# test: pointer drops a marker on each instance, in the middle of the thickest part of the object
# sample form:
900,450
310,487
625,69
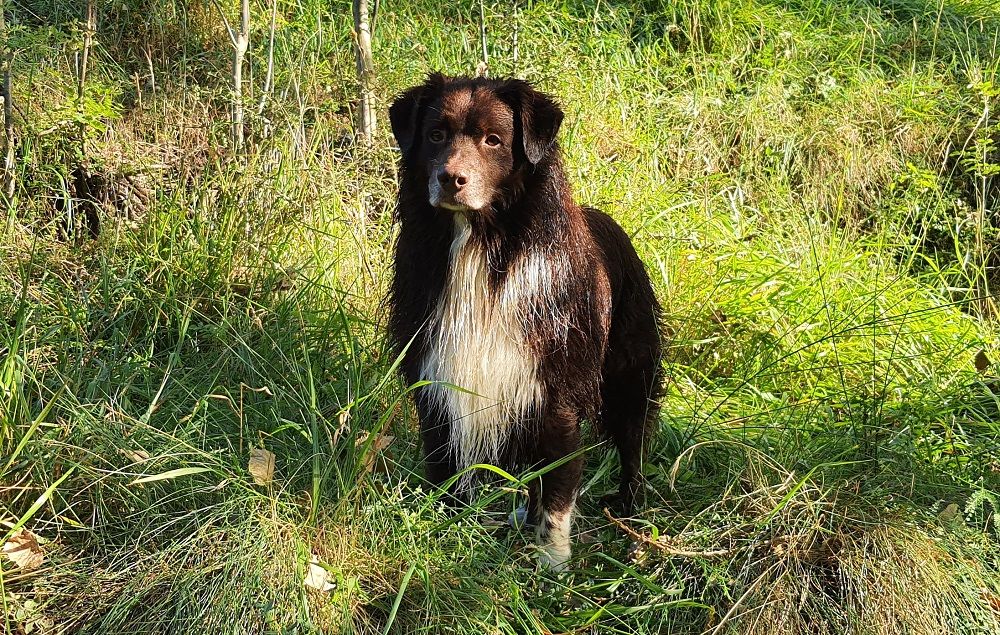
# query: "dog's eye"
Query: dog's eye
492,140
436,135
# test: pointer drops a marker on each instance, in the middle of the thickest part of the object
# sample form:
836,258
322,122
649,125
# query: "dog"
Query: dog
517,312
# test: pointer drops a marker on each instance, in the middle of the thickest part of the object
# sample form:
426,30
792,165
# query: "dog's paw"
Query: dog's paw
554,558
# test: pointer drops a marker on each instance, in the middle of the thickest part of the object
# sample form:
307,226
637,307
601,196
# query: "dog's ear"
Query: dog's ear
406,113
537,114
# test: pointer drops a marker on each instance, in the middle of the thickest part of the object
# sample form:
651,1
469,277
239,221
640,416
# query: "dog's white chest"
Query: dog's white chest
477,344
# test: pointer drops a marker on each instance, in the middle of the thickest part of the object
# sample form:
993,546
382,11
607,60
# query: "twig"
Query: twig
660,544
152,75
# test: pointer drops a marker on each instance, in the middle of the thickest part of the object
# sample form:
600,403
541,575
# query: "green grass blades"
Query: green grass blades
813,186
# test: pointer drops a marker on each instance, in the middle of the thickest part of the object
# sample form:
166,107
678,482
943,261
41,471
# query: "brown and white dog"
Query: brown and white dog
537,309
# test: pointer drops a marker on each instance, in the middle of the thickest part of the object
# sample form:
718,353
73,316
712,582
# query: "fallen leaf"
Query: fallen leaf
317,577
982,361
136,456
261,465
344,419
170,474
23,550
381,443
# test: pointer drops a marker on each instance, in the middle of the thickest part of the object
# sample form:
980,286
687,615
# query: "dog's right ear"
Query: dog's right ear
406,113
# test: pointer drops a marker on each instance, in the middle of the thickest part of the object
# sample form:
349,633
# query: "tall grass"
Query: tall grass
811,184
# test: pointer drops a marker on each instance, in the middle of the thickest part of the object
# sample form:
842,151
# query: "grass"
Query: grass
811,184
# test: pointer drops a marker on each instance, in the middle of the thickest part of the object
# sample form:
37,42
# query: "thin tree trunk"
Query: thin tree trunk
241,42
516,29
366,71
7,183
269,78
88,39
484,66
84,199
81,74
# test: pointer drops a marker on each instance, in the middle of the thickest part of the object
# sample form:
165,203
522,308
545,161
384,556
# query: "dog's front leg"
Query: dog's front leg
553,495
439,457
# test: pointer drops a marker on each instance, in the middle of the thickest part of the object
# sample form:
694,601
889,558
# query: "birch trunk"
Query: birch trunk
241,42
366,70
7,60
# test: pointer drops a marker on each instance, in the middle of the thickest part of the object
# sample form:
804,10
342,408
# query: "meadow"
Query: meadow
813,185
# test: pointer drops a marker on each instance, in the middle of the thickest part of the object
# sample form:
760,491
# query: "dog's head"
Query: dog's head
473,139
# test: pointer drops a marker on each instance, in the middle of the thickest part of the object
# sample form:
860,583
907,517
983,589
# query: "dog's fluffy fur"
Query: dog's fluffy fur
527,312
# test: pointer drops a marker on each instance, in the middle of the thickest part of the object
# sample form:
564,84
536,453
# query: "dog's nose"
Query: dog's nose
452,181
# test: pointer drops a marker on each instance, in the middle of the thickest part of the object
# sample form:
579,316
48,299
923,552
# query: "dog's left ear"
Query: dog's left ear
405,113
538,115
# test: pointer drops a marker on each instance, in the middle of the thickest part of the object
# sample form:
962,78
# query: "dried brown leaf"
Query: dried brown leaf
136,456
381,442
24,551
261,465
344,419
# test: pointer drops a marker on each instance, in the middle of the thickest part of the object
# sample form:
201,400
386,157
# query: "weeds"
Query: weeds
811,184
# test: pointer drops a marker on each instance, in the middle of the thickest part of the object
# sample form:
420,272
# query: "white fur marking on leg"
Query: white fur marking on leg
553,538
